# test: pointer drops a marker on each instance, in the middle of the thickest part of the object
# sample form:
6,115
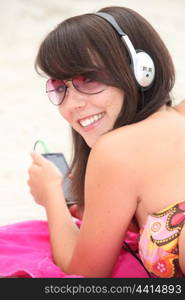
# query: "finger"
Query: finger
38,158
34,168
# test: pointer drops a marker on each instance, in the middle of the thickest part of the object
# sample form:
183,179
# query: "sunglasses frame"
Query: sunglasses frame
65,89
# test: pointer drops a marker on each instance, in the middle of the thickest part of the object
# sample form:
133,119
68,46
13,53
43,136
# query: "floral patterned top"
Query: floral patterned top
158,244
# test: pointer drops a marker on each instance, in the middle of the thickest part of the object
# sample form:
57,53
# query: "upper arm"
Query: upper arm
110,203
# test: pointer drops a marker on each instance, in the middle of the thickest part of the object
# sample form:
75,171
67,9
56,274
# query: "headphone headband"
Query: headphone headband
112,21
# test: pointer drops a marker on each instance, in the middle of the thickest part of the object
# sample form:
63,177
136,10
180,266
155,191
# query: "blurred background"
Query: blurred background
25,112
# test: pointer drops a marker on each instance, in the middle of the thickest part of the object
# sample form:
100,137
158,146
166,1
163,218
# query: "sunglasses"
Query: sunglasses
56,89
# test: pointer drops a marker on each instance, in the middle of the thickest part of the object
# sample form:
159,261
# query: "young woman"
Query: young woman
128,166
129,145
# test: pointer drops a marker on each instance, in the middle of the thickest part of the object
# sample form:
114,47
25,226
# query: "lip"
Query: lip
93,125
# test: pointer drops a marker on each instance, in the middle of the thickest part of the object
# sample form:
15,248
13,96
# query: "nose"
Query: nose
74,99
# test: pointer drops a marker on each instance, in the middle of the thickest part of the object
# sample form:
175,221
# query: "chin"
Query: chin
92,141
92,137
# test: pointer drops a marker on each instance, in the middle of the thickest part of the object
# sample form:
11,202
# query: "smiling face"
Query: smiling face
92,115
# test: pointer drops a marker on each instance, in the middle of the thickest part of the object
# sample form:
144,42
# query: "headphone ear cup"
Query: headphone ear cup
144,69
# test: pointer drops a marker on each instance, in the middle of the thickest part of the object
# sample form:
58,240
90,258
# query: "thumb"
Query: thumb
37,158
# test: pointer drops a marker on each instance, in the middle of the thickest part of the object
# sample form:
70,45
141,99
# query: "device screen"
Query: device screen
59,160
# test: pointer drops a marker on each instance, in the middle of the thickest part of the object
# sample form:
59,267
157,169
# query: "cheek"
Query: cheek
114,98
120,105
120,101
64,113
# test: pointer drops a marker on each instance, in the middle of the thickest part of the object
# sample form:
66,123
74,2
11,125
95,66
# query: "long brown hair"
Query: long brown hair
87,44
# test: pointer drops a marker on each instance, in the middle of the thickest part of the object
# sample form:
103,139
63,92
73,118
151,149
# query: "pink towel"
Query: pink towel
25,252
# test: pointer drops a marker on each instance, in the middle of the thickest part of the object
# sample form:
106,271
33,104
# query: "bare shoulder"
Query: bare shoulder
140,137
116,153
114,146
123,143
113,160
133,145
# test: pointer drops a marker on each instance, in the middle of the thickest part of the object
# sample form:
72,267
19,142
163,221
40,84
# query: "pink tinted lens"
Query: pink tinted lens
55,90
87,85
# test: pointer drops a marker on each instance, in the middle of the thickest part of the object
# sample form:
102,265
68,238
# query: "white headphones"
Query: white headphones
141,63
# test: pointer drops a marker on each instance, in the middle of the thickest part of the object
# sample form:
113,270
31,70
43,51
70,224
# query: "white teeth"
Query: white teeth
91,120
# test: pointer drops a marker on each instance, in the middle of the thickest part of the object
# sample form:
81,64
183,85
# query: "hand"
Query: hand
44,177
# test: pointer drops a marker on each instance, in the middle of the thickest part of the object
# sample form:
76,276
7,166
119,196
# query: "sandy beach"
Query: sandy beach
26,115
